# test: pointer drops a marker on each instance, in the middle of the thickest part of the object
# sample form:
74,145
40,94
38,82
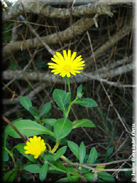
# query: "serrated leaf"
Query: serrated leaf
28,128
33,168
83,123
85,102
92,156
43,171
25,102
45,109
82,152
74,148
62,128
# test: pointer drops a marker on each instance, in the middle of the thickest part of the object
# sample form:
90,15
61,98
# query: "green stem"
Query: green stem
69,107
12,157
55,147
65,159
69,87
48,146
68,83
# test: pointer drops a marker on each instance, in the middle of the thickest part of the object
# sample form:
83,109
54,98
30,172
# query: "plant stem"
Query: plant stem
69,87
69,107
22,136
49,147
68,83
12,157
55,147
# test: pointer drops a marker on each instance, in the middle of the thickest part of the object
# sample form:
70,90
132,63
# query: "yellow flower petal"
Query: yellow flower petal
67,64
35,146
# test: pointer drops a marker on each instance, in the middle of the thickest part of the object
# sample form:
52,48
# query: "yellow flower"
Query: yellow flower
67,64
35,146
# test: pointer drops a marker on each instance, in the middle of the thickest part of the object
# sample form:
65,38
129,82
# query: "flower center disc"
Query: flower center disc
67,67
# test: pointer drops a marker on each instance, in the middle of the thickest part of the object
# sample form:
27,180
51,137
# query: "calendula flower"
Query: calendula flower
35,146
67,64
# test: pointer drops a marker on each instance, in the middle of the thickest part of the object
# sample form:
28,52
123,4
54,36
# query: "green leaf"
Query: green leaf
84,170
33,111
33,168
61,98
77,179
45,109
5,155
79,92
71,178
49,121
60,152
10,175
82,152
86,102
66,98
92,156
20,148
109,151
83,123
89,176
49,157
57,165
62,128
25,175
25,102
28,128
106,176
43,171
73,170
74,148
19,163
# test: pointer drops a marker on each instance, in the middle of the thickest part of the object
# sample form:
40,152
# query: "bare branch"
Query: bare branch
37,36
10,74
76,29
37,7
